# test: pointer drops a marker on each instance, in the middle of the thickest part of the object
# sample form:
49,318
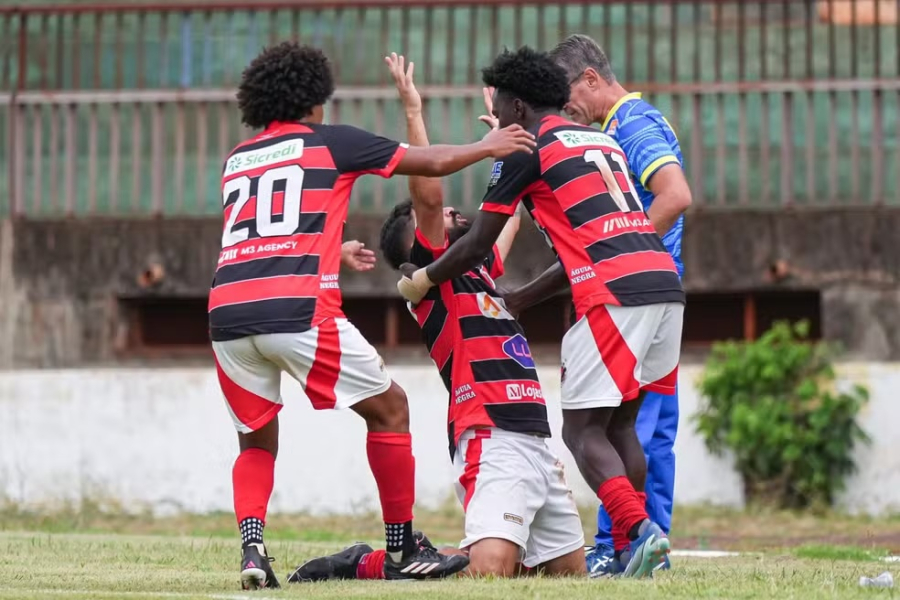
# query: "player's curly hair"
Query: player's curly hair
531,76
284,83
393,242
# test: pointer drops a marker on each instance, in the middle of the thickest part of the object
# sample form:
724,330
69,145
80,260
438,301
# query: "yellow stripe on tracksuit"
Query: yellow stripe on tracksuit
656,164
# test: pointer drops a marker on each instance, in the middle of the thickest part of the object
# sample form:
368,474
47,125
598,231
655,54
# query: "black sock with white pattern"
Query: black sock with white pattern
399,540
251,531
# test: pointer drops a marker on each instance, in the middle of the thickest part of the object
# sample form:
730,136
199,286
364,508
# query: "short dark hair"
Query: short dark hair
284,83
579,52
394,243
530,76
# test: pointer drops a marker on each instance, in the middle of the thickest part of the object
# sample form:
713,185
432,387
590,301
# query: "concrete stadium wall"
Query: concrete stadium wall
61,280
161,438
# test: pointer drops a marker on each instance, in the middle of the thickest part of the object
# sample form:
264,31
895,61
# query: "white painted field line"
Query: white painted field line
112,594
704,554
723,554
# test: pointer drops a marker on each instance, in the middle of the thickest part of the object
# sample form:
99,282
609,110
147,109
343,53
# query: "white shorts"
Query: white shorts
614,352
512,487
333,362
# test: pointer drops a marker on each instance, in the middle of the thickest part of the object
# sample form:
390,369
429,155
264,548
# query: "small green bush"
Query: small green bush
773,404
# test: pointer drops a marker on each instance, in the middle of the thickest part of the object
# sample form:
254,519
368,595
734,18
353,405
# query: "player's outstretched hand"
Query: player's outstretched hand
502,142
488,117
356,257
414,284
403,79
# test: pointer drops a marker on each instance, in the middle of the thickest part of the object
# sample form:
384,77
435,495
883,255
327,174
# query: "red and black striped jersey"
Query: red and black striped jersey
285,195
480,351
578,190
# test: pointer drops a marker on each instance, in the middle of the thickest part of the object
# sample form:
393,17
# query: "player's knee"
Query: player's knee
493,557
570,565
397,409
264,438
388,411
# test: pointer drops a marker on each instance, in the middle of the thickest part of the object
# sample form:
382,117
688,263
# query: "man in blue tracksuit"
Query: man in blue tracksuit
655,160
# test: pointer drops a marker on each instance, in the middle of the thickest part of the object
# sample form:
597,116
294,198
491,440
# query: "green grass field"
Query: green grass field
89,554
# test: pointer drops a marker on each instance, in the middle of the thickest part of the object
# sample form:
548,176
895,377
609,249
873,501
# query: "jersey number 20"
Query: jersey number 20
292,175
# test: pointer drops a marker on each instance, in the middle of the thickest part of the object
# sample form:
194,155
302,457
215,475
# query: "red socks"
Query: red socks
625,506
392,463
371,566
253,478
394,468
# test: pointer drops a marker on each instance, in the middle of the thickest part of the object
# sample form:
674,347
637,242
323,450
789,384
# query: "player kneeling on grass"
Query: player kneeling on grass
519,510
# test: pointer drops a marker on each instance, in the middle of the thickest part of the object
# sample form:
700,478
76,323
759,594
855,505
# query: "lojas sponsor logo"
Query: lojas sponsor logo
524,391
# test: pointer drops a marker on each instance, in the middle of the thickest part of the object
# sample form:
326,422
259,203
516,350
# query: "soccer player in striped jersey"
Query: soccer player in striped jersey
628,297
655,161
275,302
518,507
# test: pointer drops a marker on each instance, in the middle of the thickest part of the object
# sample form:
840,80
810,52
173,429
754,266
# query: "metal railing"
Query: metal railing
129,108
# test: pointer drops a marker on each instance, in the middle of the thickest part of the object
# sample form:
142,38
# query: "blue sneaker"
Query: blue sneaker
602,562
646,553
665,565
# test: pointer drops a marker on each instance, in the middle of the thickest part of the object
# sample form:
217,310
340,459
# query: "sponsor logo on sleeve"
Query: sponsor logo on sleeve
495,173
517,349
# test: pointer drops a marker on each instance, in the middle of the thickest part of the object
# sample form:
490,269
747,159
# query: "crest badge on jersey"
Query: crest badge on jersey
495,173
612,127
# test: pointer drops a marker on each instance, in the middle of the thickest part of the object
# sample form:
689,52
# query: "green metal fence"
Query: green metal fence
128,109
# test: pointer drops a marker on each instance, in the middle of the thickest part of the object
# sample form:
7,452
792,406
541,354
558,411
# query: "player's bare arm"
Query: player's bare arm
547,284
460,258
426,192
508,235
442,159
671,197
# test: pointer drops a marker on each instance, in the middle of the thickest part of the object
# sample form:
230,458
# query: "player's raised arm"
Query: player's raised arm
461,257
510,181
442,160
511,229
426,192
